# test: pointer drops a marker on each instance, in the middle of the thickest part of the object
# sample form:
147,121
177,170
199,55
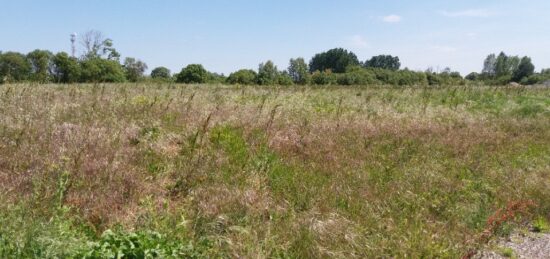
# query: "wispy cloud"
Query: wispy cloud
478,13
392,18
358,41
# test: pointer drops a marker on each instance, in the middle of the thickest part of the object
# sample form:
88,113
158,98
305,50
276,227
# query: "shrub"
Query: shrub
193,74
102,70
243,77
323,78
160,73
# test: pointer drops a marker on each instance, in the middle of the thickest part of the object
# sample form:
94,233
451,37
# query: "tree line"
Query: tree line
100,62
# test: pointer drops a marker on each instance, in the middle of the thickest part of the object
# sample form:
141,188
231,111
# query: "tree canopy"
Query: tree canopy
384,61
336,60
161,73
193,74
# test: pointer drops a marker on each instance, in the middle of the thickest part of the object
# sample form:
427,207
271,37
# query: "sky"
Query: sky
229,35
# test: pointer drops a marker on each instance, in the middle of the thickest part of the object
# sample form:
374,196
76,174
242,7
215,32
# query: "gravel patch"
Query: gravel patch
531,246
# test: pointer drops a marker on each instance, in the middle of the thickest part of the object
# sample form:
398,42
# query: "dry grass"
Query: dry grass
270,172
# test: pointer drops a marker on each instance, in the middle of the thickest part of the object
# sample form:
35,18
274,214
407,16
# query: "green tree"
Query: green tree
243,77
65,69
268,73
336,60
506,65
384,62
473,76
489,65
284,78
98,46
524,69
134,69
14,67
102,70
193,74
299,71
41,65
161,73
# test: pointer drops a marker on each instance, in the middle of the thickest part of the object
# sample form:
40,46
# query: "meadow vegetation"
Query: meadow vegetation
171,170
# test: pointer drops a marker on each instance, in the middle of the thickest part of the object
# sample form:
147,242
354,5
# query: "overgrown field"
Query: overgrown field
225,171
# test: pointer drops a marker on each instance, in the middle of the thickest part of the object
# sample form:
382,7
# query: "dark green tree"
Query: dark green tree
524,69
14,67
193,74
384,62
299,71
268,73
506,65
243,77
41,65
102,70
65,69
161,73
336,60
134,69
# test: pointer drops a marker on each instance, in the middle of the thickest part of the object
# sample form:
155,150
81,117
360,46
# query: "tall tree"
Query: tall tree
299,71
267,73
98,46
524,69
14,67
336,60
384,61
489,65
134,69
41,65
66,69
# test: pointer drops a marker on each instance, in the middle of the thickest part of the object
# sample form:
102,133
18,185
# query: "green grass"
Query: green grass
157,170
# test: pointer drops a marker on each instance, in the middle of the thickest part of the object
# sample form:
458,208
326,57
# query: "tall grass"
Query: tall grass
206,171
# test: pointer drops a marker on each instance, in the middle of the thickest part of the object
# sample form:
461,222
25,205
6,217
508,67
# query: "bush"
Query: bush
102,71
357,76
243,77
193,74
284,79
323,78
161,73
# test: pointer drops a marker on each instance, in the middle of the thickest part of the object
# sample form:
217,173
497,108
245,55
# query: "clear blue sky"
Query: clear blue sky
225,35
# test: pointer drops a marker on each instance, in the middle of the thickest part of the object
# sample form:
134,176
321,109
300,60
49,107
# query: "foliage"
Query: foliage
525,69
243,77
41,63
136,245
101,71
268,73
14,67
97,46
336,60
161,73
65,68
299,71
134,69
503,69
323,78
384,61
193,74
285,79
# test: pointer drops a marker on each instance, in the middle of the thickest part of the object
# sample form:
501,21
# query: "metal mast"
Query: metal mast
73,46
